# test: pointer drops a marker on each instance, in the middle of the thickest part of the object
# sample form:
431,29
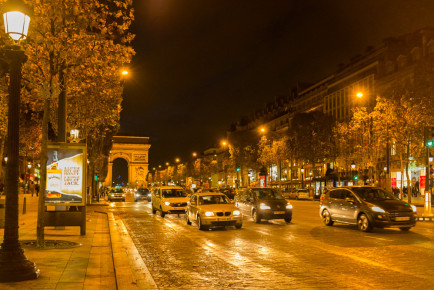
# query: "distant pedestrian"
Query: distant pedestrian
32,187
37,189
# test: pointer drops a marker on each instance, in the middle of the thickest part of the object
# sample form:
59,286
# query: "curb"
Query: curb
130,270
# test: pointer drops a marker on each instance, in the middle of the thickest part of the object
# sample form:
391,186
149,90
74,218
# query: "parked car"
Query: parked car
169,200
212,209
142,194
366,206
301,193
116,193
263,203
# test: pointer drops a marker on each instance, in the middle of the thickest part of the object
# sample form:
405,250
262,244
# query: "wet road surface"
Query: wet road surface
275,255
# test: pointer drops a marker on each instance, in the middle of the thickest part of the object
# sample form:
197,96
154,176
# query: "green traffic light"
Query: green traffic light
238,169
356,177
430,143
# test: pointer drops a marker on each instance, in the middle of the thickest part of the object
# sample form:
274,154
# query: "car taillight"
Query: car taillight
321,199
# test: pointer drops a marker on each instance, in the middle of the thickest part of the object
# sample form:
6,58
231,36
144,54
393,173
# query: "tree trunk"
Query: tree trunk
1,155
402,174
409,191
40,239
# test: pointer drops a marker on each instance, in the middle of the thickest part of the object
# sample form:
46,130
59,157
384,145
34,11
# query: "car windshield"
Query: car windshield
117,190
373,194
143,190
174,193
267,194
213,199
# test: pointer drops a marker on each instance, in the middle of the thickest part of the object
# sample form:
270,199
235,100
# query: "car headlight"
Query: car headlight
413,207
289,206
123,195
377,209
137,194
236,212
112,195
167,203
209,213
264,206
149,194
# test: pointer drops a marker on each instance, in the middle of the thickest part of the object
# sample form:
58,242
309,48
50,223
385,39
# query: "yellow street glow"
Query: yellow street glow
359,94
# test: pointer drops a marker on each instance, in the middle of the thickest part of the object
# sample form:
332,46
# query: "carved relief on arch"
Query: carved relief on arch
122,155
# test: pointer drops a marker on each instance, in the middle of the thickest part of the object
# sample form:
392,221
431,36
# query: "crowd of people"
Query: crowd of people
32,188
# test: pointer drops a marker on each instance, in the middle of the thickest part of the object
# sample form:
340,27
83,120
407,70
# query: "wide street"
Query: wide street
276,255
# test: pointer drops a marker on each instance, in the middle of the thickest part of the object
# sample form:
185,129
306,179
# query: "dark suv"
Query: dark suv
263,203
367,207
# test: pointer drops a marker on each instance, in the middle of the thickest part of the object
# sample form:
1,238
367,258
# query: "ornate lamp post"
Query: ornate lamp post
14,265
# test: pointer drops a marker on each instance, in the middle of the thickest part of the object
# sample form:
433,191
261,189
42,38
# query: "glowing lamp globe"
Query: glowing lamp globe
16,16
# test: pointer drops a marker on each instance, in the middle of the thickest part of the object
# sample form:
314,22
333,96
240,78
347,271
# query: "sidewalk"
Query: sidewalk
105,258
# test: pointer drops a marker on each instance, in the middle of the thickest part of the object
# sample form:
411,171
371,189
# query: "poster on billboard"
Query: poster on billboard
66,173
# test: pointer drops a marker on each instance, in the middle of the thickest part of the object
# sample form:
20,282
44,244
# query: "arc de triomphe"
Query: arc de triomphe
135,151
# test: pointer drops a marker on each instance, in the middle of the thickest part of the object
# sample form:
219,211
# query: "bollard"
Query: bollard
24,206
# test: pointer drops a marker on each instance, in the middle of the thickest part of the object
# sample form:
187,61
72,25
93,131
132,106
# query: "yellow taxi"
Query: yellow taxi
212,209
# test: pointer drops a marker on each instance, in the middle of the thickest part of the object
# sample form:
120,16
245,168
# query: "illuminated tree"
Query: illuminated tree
76,50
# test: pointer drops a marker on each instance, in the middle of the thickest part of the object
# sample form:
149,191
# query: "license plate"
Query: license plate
223,219
402,218
279,212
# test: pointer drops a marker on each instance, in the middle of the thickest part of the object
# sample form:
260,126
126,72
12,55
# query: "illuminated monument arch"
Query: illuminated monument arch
134,150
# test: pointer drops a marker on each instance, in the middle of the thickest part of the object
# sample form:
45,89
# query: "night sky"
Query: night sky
202,64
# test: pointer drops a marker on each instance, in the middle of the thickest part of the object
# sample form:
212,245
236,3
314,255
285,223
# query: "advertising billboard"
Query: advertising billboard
66,173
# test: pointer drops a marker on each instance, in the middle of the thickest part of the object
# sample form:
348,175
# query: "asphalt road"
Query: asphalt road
275,255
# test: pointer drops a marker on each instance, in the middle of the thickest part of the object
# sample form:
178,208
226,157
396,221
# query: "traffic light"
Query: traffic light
238,168
429,136
356,177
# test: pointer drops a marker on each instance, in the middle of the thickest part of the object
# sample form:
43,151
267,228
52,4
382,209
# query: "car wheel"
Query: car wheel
288,220
238,226
256,217
200,225
162,213
187,219
406,229
363,223
326,218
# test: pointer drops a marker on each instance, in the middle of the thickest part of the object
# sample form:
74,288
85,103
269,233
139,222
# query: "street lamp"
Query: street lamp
14,265
74,135
302,177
